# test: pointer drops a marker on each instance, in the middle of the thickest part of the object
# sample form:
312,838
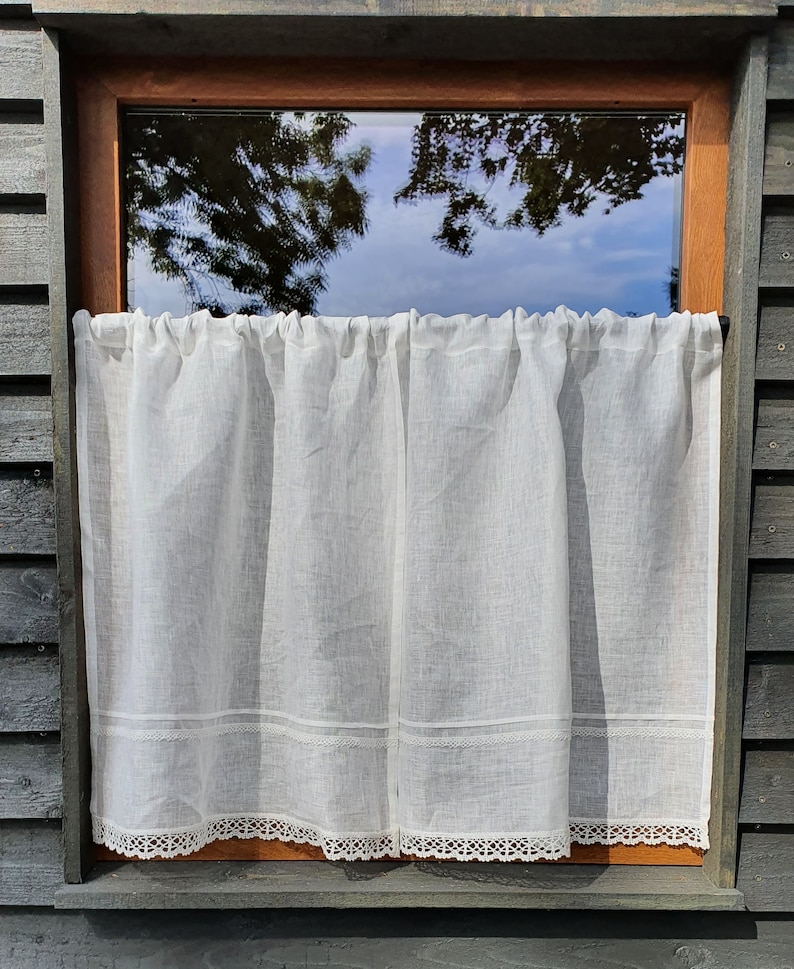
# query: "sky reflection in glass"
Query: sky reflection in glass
621,259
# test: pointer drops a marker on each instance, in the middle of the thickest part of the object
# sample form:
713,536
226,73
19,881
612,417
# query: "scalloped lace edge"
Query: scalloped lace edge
545,847
635,833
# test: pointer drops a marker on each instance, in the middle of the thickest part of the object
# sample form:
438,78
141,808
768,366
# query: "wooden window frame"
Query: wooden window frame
104,89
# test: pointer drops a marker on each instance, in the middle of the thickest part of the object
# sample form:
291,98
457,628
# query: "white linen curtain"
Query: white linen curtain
443,586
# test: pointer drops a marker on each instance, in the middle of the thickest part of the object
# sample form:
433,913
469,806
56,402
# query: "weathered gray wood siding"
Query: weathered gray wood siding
30,762
766,867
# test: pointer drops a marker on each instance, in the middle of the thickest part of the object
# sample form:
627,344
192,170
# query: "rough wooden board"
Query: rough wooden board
24,339
493,38
423,939
770,621
769,706
21,158
20,57
772,528
779,156
393,885
777,250
781,62
27,513
768,787
742,245
25,429
766,872
775,358
23,249
420,8
28,603
30,776
62,214
30,863
774,435
29,694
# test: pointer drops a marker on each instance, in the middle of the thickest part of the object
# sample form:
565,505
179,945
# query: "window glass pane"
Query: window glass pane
373,213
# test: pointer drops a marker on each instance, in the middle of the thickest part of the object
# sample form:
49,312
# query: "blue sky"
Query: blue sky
620,261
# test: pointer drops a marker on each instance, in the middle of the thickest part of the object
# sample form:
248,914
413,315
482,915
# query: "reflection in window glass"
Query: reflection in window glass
373,213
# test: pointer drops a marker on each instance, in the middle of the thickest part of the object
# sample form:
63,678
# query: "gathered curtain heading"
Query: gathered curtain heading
438,586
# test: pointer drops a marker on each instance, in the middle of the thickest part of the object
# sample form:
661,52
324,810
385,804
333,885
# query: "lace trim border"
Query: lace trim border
505,848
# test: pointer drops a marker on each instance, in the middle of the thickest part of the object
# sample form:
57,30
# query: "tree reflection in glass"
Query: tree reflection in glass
364,213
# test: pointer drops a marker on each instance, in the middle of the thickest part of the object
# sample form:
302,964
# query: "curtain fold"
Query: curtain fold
440,586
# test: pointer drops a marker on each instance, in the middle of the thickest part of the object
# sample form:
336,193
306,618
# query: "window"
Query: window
443,87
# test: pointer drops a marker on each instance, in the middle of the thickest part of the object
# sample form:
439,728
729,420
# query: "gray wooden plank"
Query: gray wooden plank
20,56
28,603
775,357
23,249
772,528
769,703
30,862
777,250
768,787
770,614
742,234
29,689
175,885
30,776
766,872
781,62
417,8
779,156
774,435
27,513
59,125
25,428
24,339
21,158
46,939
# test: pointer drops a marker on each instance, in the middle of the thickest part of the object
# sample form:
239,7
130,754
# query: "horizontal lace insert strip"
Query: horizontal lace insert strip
405,738
367,847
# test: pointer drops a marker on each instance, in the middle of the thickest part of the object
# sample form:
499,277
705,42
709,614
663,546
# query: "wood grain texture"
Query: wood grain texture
772,529
430,884
30,776
24,339
25,428
30,862
775,358
21,158
27,513
769,705
779,156
770,615
768,787
777,250
28,603
774,434
742,245
419,8
29,694
766,872
424,939
63,221
781,62
20,56
23,248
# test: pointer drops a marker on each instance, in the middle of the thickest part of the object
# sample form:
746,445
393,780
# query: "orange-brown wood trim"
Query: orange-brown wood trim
103,88
256,850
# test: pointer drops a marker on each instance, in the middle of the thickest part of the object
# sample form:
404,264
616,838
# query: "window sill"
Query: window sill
310,884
